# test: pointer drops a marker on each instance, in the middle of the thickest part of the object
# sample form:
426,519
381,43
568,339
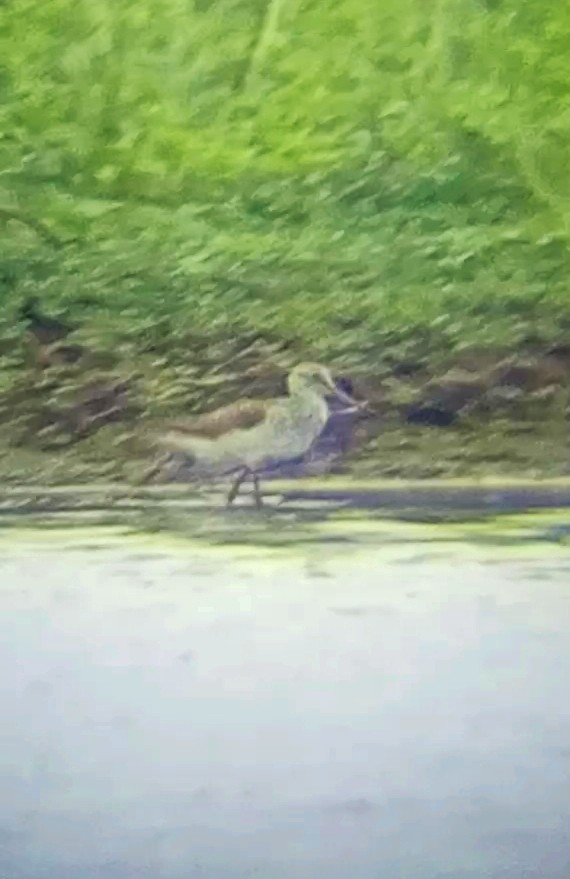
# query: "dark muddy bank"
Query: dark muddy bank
466,413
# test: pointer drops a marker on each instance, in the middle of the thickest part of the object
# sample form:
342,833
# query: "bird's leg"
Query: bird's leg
152,471
236,486
257,491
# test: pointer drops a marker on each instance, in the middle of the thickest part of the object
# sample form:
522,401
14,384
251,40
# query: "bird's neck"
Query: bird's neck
306,400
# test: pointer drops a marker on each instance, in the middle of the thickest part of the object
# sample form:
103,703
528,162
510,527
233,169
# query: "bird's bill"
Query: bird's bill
343,397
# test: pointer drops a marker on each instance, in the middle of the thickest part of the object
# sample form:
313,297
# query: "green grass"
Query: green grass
349,181
337,284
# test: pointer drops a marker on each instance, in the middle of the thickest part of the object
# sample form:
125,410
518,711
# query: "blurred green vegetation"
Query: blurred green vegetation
347,175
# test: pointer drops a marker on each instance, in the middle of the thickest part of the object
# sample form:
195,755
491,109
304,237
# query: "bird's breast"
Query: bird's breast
294,430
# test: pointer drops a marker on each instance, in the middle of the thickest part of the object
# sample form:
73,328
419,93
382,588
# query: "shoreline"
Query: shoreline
488,494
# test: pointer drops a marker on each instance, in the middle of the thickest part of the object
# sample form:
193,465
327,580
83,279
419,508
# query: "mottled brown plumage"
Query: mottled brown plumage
241,415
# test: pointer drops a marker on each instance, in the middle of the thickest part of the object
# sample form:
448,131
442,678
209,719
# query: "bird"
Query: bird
250,436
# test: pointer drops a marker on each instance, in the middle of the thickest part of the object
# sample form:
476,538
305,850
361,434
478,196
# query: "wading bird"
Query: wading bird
249,437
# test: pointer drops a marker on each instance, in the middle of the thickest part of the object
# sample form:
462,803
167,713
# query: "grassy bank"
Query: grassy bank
210,193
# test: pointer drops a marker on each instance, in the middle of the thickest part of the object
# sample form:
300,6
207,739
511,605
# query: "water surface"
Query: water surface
324,694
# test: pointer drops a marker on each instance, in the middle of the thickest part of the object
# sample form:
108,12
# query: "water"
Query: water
287,697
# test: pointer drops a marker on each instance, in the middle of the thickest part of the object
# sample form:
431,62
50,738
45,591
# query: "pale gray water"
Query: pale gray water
318,712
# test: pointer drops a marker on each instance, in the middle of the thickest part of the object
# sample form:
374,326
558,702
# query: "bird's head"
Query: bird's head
318,379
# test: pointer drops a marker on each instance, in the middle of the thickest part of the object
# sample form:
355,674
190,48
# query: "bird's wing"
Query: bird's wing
241,415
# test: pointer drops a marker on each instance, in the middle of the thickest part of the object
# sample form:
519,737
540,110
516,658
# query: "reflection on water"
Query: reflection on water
472,517
317,691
